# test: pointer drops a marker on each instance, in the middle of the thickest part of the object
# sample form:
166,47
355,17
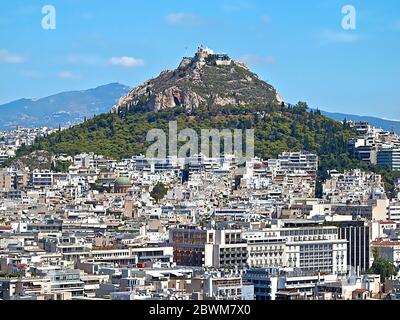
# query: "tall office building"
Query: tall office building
389,158
357,233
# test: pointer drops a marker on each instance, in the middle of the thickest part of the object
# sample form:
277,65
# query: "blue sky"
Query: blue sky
299,47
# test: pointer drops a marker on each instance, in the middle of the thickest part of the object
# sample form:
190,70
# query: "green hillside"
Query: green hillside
277,129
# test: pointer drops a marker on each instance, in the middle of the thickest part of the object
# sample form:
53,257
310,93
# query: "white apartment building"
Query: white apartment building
389,250
317,249
231,249
295,161
266,248
42,179
394,211
209,248
353,186
268,282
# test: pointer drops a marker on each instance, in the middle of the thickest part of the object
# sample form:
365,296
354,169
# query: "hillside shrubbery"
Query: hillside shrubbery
277,129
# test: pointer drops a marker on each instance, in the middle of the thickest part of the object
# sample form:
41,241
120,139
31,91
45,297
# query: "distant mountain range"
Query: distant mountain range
388,125
69,108
66,108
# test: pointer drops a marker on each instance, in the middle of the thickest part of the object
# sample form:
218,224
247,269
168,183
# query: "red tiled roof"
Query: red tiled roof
381,242
387,222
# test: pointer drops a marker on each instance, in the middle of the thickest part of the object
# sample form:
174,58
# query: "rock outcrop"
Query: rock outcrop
207,79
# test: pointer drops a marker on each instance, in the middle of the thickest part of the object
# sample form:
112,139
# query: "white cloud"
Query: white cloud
123,61
126,62
256,59
68,75
185,19
8,57
329,36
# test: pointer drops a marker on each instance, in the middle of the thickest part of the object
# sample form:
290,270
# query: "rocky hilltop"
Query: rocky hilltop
207,79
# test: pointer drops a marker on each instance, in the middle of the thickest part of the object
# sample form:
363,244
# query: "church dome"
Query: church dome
122,182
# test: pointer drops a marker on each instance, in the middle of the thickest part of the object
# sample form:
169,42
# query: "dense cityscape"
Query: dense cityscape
199,159
203,229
